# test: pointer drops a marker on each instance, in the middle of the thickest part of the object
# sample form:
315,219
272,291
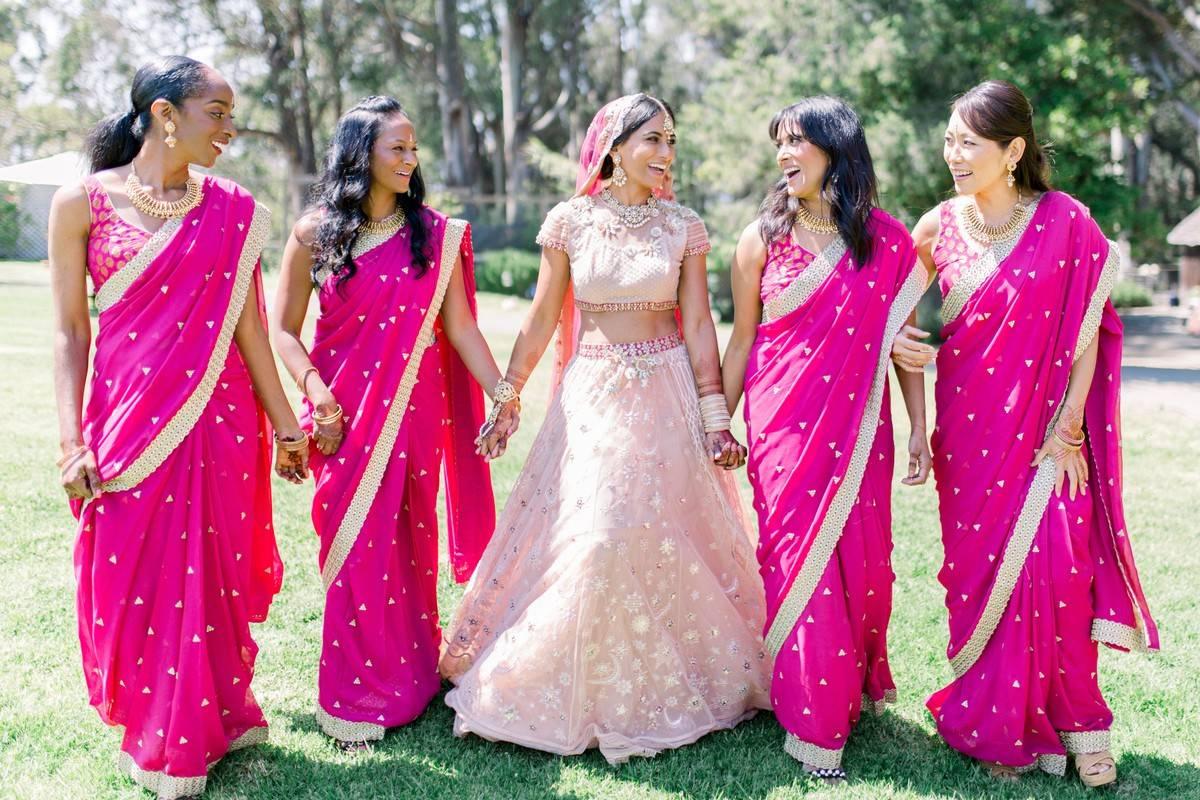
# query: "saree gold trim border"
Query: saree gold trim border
981,268
811,754
115,287
181,424
372,478
1016,550
170,787
345,731
844,498
801,289
1132,639
1095,311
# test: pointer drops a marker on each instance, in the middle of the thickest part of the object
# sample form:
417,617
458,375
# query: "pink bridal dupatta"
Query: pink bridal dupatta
1032,579
178,556
411,410
821,452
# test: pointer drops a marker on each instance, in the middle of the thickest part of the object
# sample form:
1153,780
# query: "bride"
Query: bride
618,605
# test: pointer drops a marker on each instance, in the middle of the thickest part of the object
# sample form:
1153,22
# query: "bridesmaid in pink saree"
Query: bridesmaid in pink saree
391,386
168,467
1038,566
823,280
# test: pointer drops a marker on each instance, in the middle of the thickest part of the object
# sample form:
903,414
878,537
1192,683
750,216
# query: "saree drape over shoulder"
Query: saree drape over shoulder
177,556
411,412
1033,579
821,457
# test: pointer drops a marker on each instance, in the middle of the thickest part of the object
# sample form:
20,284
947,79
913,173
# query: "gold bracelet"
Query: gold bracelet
303,375
292,445
327,419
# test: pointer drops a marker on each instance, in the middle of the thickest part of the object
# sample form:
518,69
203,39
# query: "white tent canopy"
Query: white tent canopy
58,170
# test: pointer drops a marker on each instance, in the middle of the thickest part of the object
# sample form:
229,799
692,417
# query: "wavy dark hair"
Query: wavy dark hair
645,108
1000,112
345,184
849,184
115,140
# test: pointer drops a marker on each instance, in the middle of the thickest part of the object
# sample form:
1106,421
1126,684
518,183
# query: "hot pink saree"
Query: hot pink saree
1033,579
821,453
177,556
411,409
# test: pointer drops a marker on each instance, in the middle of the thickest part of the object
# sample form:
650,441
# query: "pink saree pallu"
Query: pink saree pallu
177,556
1033,579
821,458
411,410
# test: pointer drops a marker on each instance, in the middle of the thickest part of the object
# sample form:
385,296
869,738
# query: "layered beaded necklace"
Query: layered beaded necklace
981,232
386,226
631,216
162,209
822,226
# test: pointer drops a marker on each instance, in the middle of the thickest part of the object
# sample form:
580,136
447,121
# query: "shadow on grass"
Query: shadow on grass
886,755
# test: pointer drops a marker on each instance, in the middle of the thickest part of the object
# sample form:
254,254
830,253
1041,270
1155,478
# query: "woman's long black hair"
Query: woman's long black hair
849,184
345,185
115,140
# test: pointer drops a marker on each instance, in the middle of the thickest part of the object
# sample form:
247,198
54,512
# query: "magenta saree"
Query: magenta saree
177,556
411,410
1033,579
821,456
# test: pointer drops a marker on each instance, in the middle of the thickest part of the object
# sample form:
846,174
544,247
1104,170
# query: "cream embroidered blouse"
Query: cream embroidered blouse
615,267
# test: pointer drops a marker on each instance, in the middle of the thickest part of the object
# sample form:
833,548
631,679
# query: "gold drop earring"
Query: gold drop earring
619,178
170,141
1011,179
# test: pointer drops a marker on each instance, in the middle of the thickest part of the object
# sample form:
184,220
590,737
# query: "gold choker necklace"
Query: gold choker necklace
162,209
992,234
823,226
386,226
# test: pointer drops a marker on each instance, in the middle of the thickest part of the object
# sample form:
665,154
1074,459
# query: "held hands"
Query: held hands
725,450
909,354
494,435
919,459
80,478
291,455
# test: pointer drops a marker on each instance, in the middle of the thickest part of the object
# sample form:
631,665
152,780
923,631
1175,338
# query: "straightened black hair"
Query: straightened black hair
849,184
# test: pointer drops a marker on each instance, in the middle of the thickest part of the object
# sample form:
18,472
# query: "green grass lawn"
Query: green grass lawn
52,744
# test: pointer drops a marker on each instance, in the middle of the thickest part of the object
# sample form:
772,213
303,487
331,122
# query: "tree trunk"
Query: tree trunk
514,22
458,133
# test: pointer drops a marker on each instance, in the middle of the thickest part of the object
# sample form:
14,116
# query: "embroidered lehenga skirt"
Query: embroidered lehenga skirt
618,605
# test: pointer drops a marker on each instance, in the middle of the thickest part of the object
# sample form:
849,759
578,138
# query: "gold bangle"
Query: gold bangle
303,375
328,419
292,445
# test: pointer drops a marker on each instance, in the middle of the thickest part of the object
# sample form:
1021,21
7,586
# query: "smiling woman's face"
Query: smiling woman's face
802,163
394,156
647,155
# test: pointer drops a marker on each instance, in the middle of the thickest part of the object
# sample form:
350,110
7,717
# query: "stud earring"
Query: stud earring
170,141
1011,179
619,178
